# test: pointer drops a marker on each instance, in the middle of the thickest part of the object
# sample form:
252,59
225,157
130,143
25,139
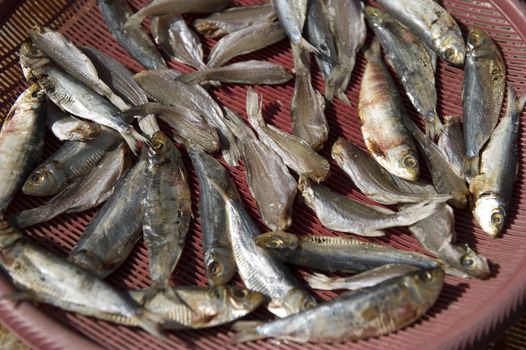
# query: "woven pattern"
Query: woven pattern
467,311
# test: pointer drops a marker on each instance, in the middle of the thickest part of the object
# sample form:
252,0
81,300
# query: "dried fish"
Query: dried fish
21,142
382,114
320,35
364,313
244,41
268,178
174,36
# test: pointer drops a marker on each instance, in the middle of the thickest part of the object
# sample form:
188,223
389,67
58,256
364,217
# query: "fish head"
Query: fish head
241,301
473,264
32,60
278,242
46,180
294,301
374,16
477,38
452,49
160,143
490,213
220,267
402,161
428,282
88,261
305,187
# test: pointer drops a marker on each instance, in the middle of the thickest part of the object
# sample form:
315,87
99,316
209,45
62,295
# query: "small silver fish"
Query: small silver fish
364,313
268,178
233,19
219,257
297,154
492,189
174,36
85,193
134,40
343,214
21,142
243,41
110,236
433,24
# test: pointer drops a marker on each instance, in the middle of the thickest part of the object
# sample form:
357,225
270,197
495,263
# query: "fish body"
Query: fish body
167,210
320,35
373,180
79,100
258,269
364,313
336,254
112,233
233,19
219,258
410,59
43,277
135,40
348,27
73,61
21,142
492,189
382,113
247,72
244,41
268,178
166,7
291,14
71,161
451,144
174,36
483,93
85,193
201,307
66,127
162,85
433,24
188,126
436,234
308,105
120,79
296,153
343,214
444,177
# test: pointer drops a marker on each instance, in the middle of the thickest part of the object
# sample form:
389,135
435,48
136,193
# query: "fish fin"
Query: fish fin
196,77
418,212
341,95
246,331
164,288
336,83
434,128
117,101
254,108
21,295
233,154
373,233
237,125
320,281
131,136
515,105
150,322
134,20
308,47
32,216
373,51
148,125
470,167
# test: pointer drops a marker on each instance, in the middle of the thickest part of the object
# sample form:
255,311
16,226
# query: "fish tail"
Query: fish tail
417,212
515,105
434,126
193,78
32,217
247,331
117,101
148,125
150,322
306,46
236,125
320,281
337,83
131,136
470,167
254,108
134,20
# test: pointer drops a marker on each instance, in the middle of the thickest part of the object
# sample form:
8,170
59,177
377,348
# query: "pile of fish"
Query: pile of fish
135,173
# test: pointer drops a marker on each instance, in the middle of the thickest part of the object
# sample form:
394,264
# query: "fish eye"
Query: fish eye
37,178
497,218
466,261
275,243
158,145
410,162
309,303
240,293
215,268
449,53
425,276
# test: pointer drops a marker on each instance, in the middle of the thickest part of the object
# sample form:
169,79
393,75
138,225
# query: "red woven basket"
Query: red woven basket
468,312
